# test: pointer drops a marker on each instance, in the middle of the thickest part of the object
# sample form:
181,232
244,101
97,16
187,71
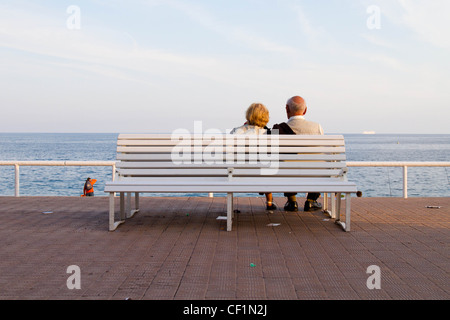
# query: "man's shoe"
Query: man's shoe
291,206
271,207
311,205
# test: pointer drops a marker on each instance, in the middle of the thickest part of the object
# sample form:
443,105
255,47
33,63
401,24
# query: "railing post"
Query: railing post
405,182
17,181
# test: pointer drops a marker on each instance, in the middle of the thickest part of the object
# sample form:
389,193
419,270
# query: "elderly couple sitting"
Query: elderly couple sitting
257,116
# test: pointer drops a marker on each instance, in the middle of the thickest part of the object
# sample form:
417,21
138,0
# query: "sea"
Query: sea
69,181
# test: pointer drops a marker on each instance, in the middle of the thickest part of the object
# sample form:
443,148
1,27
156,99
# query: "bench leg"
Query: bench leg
129,212
326,206
345,225
337,214
333,206
325,202
336,206
229,211
136,201
348,197
111,211
128,205
112,224
122,206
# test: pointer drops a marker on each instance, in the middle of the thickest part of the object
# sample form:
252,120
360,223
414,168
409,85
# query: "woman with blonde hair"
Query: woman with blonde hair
257,116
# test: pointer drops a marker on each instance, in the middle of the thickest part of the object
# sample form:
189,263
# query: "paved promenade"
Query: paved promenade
175,248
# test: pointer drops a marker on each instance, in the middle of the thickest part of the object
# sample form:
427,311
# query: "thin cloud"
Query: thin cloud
429,19
378,41
306,26
89,51
231,32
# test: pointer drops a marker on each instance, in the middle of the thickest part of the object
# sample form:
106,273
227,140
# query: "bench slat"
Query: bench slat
156,136
266,164
263,180
224,172
235,189
234,186
125,157
234,142
244,149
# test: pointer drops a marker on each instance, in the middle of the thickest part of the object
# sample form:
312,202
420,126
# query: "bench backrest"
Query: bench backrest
142,156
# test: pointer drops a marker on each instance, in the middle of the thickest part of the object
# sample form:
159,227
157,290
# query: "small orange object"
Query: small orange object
88,189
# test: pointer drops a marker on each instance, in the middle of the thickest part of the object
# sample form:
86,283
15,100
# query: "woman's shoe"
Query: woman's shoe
311,205
291,206
271,207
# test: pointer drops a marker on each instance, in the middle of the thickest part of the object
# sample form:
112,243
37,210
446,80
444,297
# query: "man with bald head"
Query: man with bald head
297,124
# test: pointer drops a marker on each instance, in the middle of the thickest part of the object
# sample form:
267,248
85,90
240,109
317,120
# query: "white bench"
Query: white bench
165,163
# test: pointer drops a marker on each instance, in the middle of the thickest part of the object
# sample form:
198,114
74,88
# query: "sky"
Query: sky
155,66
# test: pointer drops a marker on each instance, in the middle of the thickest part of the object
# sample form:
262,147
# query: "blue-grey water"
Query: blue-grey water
69,181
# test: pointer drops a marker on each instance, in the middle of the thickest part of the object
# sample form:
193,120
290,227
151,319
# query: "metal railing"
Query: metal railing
404,165
400,164
18,164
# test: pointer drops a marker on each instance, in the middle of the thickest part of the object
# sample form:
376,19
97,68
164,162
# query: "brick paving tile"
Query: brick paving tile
176,249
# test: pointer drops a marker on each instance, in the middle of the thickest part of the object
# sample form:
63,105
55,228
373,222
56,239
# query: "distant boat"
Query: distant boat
368,132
